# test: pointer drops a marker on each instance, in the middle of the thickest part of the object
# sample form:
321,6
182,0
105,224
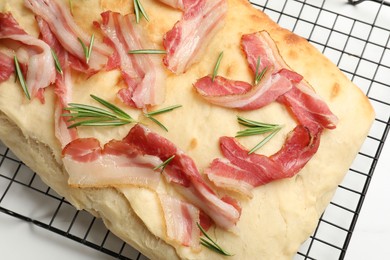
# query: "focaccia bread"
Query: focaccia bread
276,217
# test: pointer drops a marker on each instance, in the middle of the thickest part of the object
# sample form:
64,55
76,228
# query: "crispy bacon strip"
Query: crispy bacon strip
62,24
63,84
180,221
118,163
184,43
182,172
38,55
7,67
143,74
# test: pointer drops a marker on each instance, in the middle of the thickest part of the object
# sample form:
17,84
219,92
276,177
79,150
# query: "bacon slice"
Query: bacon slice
182,172
177,4
241,95
142,73
63,84
300,146
308,108
63,91
62,24
7,67
201,21
38,55
117,164
228,176
241,172
180,221
260,45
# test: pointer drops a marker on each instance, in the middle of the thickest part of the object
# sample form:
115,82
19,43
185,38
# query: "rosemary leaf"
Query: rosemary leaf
139,10
91,42
264,141
215,72
86,115
71,6
164,164
82,111
112,107
142,10
160,111
252,123
259,75
87,50
163,110
210,243
147,51
98,122
20,77
255,131
256,128
158,123
136,11
56,62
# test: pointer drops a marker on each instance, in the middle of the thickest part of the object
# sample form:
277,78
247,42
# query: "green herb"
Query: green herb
147,51
160,111
210,243
87,115
71,6
20,77
256,128
87,51
215,72
164,164
259,76
139,10
56,62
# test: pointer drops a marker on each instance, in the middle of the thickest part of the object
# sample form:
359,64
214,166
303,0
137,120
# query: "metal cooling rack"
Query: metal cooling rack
354,36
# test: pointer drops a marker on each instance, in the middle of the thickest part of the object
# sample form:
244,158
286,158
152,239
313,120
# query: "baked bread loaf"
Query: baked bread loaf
275,218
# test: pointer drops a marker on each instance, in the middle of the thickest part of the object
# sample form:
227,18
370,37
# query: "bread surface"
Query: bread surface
281,215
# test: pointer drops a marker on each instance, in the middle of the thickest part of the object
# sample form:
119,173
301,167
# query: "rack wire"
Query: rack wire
358,45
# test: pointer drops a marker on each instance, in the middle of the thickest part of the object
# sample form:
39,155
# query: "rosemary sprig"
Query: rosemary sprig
95,116
56,62
256,128
20,77
160,111
87,50
259,75
164,164
209,243
147,51
87,115
215,72
139,10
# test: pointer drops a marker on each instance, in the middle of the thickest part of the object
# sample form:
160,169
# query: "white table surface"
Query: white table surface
22,240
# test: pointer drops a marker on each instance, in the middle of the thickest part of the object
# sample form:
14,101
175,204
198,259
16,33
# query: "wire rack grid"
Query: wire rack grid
354,38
